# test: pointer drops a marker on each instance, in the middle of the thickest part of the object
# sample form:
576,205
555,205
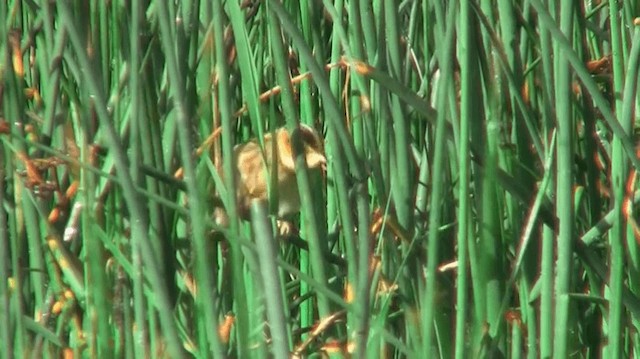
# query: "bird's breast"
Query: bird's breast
288,196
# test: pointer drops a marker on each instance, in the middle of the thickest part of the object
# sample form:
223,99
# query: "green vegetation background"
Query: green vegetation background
478,202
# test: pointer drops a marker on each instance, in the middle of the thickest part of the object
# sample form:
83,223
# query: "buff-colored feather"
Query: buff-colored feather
251,177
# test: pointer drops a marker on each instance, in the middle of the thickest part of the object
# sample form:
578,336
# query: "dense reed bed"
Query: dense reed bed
478,199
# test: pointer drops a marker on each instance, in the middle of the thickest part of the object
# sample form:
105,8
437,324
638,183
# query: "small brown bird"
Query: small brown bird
251,178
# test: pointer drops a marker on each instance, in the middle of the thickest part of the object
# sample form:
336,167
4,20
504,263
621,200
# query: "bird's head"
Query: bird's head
312,144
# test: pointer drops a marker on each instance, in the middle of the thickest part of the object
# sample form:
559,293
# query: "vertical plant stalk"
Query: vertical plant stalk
50,69
224,104
403,174
564,187
6,335
274,300
248,70
137,278
317,250
437,194
619,175
362,131
308,109
629,104
337,197
338,204
361,306
96,283
466,53
545,313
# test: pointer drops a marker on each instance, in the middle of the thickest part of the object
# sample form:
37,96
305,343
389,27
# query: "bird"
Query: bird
252,181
